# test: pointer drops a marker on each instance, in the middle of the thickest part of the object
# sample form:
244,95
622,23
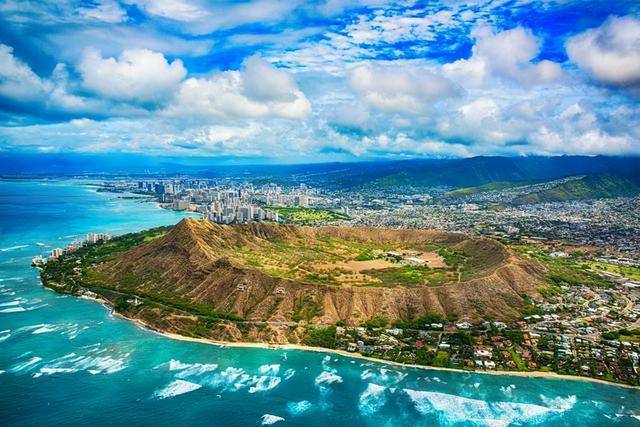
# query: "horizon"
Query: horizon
272,82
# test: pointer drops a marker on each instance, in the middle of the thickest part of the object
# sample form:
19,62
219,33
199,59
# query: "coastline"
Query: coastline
299,347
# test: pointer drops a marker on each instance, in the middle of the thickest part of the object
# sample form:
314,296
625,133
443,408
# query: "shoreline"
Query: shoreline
298,347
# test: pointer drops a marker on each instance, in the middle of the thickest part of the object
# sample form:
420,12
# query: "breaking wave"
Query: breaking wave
452,409
26,365
45,329
190,369
269,369
289,373
264,383
268,419
234,379
13,248
175,388
383,375
372,399
93,364
327,377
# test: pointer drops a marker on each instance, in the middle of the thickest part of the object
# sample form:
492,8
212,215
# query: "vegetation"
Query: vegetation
322,337
632,273
410,275
595,186
301,215
423,322
491,186
376,322
75,271
563,271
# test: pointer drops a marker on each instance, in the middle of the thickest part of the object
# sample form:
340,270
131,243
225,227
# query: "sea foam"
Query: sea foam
289,373
327,377
269,369
176,388
13,248
268,419
263,383
372,399
26,365
296,408
190,369
452,409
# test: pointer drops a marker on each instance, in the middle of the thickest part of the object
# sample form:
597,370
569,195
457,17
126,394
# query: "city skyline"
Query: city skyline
328,81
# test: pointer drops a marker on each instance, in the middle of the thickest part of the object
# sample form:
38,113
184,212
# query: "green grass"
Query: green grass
408,275
563,271
301,215
441,359
521,366
632,273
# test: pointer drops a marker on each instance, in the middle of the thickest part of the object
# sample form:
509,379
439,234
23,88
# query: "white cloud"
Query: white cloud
508,54
179,10
19,83
479,110
138,75
609,53
258,90
264,82
107,11
595,141
17,80
401,89
201,17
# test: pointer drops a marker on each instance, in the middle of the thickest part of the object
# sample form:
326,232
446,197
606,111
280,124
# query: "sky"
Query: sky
333,80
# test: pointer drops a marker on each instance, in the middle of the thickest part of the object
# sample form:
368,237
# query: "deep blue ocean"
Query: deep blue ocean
67,361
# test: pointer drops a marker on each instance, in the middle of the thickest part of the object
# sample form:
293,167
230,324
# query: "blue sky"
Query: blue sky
298,81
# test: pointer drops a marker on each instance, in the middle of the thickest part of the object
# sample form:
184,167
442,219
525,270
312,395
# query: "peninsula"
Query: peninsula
409,296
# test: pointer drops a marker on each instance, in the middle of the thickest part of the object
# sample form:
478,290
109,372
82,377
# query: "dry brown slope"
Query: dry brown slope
189,262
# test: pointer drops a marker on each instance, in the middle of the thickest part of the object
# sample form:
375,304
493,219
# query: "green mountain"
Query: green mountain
492,186
596,186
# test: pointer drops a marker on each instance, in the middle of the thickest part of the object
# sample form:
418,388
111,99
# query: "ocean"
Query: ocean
67,361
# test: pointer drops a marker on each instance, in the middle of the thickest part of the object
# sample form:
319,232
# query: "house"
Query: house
483,353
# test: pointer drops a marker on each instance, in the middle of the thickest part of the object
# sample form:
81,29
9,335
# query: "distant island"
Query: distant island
409,296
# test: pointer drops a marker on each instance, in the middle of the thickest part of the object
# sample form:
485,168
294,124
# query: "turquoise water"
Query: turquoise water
67,361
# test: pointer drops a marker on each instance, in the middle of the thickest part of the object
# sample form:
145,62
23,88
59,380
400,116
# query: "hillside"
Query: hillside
596,186
282,275
478,171
492,186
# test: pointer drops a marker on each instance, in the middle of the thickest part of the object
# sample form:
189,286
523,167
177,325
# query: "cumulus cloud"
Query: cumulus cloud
17,80
26,90
138,75
258,90
609,53
509,54
401,89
